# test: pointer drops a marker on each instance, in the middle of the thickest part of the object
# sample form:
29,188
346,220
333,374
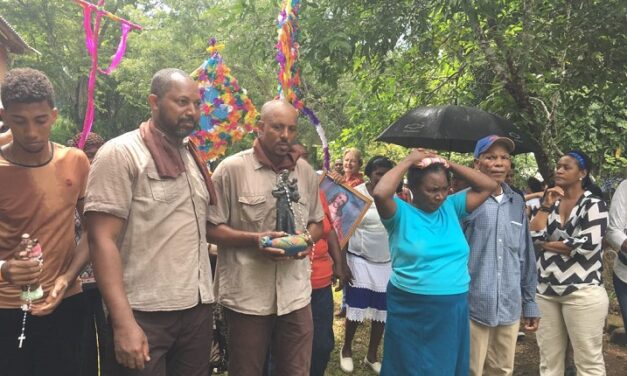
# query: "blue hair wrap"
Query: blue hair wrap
580,161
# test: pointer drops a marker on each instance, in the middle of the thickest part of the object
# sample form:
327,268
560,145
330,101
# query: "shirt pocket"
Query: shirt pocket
253,208
514,235
164,189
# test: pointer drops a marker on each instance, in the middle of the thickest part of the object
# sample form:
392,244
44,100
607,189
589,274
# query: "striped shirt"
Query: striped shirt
560,274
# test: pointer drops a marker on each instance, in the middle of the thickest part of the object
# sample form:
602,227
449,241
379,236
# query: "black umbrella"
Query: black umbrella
453,128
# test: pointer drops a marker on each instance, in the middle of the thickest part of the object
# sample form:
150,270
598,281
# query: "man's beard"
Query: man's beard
176,131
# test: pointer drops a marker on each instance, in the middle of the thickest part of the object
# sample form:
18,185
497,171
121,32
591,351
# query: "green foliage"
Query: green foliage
62,131
545,65
556,68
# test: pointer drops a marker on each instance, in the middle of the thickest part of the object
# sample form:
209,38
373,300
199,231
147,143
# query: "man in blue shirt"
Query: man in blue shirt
501,266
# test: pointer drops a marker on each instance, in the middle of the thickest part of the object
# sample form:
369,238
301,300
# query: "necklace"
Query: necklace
33,251
26,308
5,153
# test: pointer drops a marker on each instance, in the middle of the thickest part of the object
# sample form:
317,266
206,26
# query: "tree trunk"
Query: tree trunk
544,165
506,71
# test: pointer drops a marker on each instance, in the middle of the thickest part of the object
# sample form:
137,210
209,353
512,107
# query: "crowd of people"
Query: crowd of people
448,263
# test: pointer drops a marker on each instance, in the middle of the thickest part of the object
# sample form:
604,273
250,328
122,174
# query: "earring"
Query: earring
581,178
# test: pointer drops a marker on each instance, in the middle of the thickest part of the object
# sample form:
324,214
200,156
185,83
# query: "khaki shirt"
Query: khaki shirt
165,257
247,281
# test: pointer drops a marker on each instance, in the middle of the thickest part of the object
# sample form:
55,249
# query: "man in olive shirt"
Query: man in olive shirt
147,200
266,294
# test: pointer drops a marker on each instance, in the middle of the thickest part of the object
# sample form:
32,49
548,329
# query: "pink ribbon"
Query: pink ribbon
117,58
91,43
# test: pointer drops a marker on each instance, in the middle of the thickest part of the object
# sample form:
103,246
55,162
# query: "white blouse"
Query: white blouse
370,239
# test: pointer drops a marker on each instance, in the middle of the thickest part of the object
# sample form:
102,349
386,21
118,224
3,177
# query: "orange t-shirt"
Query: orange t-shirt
322,265
41,201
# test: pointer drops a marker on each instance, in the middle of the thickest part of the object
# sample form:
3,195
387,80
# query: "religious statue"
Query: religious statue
286,192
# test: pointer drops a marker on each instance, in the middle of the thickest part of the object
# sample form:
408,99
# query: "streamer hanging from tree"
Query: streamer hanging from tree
289,70
227,114
91,42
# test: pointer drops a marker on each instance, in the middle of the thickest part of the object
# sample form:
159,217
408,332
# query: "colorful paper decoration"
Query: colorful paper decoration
289,70
91,42
227,114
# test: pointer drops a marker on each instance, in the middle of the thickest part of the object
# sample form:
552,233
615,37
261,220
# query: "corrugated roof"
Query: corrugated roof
13,41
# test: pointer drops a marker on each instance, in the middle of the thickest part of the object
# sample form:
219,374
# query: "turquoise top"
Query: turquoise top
429,250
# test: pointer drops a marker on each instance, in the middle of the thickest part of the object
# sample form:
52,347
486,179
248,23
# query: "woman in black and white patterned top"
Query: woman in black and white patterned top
569,229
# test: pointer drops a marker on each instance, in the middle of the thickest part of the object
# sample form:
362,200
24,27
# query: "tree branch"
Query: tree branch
547,113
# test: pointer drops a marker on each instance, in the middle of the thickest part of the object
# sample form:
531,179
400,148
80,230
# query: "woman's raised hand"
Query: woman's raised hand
423,157
552,195
417,155
339,179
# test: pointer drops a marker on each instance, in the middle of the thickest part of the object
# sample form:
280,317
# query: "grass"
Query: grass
360,345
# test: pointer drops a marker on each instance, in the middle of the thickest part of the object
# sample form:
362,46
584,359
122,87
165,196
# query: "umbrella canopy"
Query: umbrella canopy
453,128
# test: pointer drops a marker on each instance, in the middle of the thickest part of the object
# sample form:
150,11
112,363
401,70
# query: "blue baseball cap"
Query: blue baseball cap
487,142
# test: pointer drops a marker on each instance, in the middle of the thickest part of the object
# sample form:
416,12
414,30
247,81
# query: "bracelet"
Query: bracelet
308,238
2,262
545,209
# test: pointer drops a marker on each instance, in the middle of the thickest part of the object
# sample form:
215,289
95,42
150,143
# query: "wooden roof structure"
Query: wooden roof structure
12,41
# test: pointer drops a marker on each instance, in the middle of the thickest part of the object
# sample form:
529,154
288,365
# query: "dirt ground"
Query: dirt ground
527,357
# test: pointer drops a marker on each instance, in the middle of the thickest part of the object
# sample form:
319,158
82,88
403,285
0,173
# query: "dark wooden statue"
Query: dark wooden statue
286,192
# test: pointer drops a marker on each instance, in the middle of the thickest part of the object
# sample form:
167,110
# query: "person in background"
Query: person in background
93,350
617,239
457,184
502,266
368,258
427,329
533,194
568,230
351,165
352,177
42,184
337,167
509,180
328,264
403,191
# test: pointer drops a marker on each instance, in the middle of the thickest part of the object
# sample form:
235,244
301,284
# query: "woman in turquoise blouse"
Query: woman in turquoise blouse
427,330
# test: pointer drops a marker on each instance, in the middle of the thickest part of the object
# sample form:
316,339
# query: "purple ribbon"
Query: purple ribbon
325,144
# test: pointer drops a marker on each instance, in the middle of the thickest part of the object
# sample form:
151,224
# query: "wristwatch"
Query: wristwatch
545,209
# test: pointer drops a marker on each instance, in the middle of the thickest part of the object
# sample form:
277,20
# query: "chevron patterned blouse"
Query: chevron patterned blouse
560,274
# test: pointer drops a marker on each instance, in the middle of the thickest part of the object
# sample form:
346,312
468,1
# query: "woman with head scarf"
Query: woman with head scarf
568,230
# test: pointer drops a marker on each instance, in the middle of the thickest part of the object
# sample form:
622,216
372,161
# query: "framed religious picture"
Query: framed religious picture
347,207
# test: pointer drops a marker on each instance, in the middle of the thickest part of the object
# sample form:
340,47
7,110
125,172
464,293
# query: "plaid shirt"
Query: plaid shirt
502,261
